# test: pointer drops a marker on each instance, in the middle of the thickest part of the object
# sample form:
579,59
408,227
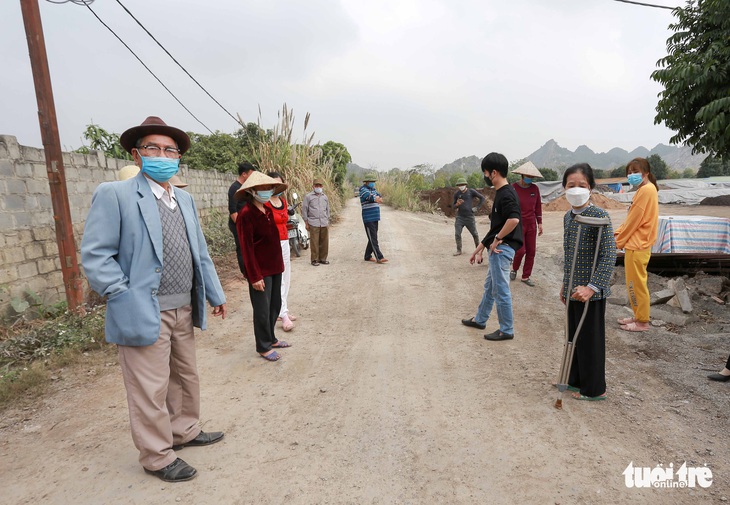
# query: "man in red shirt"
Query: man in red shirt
531,207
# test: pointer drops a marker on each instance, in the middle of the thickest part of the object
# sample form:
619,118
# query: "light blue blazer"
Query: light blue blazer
121,252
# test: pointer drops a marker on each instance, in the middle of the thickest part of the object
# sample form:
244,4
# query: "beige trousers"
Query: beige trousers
163,390
319,242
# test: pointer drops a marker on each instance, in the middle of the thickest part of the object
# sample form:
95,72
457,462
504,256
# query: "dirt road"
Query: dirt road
386,398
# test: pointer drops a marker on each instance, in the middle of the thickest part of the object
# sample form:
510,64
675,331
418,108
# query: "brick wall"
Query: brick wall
29,258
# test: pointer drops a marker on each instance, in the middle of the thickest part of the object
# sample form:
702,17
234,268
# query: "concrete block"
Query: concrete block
33,251
50,249
44,233
710,286
15,186
40,218
25,236
8,274
72,174
40,172
684,301
46,265
13,255
36,186
7,168
13,202
67,159
32,154
31,203
11,145
12,238
78,160
662,296
45,203
24,219
6,221
27,270
24,170
672,315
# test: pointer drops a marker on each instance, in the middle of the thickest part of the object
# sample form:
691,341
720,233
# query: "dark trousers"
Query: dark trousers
588,371
471,224
371,230
266,306
527,251
232,227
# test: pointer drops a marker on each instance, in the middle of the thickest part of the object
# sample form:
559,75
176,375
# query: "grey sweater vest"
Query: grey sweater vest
176,283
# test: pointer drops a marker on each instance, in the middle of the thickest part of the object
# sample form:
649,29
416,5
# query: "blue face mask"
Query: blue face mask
527,180
279,194
371,185
160,169
635,179
263,196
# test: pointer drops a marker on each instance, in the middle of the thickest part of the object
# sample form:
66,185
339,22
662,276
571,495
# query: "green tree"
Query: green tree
340,157
695,101
549,174
619,171
658,167
102,140
219,151
688,173
475,180
713,166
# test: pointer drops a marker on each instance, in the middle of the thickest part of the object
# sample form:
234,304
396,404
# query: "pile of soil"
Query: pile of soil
723,200
599,200
443,197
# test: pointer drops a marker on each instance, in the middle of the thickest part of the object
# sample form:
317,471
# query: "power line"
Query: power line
646,5
177,62
145,66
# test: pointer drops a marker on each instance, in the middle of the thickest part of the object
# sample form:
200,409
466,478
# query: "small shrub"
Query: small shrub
217,235
401,193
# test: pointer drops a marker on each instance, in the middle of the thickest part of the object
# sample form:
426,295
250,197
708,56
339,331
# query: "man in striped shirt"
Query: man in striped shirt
370,200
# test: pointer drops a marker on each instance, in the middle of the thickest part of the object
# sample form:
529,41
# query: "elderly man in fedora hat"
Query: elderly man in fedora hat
263,260
316,215
531,209
370,200
143,248
466,207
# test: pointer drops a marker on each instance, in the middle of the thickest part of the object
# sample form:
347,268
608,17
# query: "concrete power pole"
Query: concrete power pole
54,159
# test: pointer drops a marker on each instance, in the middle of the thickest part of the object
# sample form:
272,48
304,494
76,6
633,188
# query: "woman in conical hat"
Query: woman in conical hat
262,259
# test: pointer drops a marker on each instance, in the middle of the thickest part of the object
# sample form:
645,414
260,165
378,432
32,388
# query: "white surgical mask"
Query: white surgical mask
462,188
318,190
577,197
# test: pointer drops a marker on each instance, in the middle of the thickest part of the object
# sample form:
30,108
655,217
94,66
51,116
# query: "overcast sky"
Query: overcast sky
398,82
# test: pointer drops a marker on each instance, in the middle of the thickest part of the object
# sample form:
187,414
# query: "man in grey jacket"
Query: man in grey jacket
316,215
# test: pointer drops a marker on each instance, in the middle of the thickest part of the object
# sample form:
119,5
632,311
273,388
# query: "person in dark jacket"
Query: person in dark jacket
245,169
370,200
466,207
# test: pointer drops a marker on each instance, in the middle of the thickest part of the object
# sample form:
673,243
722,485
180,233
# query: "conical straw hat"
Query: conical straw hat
528,170
257,179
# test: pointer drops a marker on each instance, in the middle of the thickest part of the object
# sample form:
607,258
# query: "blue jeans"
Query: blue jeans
496,289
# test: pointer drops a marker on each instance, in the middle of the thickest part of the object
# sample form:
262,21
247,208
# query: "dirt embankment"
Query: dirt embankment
723,200
442,198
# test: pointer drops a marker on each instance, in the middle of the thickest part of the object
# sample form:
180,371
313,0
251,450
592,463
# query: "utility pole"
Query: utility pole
54,159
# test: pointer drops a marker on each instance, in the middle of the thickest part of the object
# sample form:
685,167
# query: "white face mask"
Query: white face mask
462,188
577,197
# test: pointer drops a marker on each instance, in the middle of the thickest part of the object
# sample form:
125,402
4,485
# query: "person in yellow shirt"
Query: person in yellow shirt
637,235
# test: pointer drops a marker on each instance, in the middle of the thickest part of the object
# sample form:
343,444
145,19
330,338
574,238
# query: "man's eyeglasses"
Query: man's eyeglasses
155,151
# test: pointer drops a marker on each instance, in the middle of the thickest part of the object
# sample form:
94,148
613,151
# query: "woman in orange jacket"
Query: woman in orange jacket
637,235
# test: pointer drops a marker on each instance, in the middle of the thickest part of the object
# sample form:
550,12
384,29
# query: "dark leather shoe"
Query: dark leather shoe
498,335
718,377
177,471
203,438
473,324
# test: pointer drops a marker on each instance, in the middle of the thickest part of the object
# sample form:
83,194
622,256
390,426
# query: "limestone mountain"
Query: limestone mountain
551,155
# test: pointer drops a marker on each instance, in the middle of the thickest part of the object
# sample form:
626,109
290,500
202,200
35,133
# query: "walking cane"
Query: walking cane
569,348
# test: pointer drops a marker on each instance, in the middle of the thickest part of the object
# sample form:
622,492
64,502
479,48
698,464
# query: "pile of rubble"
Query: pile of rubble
681,301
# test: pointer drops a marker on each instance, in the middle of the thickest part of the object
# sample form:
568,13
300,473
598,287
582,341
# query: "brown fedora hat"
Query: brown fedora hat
154,126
